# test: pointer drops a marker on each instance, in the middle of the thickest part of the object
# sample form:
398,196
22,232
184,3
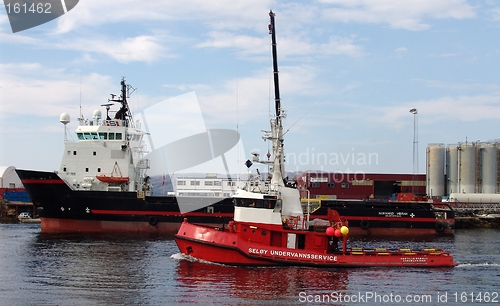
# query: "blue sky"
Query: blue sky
350,71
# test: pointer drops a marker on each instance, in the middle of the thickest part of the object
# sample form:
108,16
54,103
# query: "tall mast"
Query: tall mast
276,126
275,67
124,112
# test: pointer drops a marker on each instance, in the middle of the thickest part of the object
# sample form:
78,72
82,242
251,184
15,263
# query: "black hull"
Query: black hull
64,210
388,218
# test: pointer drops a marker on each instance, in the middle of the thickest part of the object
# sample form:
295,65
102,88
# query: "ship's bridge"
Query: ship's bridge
109,130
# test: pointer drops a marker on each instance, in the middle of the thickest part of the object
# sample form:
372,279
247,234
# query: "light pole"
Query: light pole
415,147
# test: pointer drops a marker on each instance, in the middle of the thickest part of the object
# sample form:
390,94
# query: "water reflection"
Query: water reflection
102,269
117,269
258,283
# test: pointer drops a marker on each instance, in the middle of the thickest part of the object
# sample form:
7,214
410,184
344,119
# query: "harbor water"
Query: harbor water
118,269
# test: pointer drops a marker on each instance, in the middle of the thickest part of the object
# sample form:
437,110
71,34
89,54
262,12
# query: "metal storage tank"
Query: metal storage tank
467,168
452,169
435,170
489,168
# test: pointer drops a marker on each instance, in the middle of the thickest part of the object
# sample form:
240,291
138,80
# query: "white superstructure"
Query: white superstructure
209,186
108,153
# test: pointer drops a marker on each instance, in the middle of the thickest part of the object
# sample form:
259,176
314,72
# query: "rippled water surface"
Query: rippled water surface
117,269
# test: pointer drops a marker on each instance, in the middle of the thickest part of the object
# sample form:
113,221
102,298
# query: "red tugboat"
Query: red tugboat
270,228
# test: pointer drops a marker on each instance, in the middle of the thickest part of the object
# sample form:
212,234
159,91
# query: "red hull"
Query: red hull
50,225
229,247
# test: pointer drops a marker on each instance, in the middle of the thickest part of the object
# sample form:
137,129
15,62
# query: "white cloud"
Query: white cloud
141,48
409,15
446,109
247,44
469,87
36,90
248,98
18,38
495,14
289,45
220,14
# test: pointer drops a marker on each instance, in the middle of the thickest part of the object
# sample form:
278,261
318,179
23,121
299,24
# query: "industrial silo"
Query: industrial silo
452,169
435,154
489,168
467,168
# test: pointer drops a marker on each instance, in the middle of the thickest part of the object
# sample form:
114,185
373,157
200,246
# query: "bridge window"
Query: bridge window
80,136
103,136
257,203
118,136
111,136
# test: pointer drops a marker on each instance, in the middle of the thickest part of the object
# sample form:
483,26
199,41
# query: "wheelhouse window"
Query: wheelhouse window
257,203
118,136
80,136
103,136
111,136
